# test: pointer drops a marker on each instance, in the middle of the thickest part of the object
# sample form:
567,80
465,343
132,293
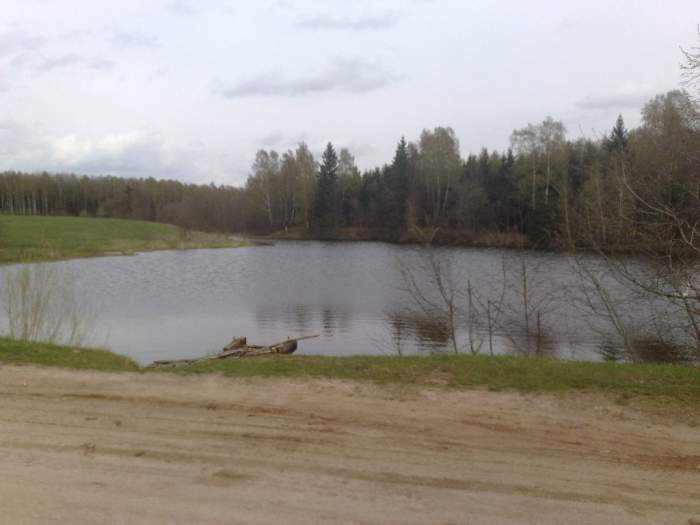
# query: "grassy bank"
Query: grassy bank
46,354
670,385
51,238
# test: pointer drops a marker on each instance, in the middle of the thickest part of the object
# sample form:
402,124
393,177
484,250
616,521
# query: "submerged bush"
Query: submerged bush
40,304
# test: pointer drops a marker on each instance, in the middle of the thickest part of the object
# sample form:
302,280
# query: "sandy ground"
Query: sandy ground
84,448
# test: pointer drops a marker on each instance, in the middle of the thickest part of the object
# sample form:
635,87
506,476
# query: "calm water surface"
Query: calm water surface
177,304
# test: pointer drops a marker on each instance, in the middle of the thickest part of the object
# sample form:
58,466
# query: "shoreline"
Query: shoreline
670,387
442,238
27,239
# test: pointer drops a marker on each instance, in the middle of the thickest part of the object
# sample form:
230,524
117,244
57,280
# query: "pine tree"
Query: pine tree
400,162
325,204
398,186
618,136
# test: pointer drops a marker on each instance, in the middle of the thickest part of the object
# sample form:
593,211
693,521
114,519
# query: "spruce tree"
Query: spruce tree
618,136
398,182
325,205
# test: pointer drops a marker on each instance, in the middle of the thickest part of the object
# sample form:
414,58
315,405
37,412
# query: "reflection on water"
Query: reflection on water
648,351
189,303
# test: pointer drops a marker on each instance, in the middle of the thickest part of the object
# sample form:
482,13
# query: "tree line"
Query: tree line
546,189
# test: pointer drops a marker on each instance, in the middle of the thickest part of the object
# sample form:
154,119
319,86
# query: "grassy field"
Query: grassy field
46,354
51,238
669,385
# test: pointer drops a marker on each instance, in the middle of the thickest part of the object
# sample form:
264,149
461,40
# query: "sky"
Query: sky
191,89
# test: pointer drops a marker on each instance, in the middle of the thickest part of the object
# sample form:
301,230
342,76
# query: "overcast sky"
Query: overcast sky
190,89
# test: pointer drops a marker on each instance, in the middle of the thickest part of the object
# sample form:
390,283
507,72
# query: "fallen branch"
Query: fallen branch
173,363
284,347
239,347
236,342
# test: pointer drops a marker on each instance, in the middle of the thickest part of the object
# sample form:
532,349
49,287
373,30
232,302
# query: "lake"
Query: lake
177,304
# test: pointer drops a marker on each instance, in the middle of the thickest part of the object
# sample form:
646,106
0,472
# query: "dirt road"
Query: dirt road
84,448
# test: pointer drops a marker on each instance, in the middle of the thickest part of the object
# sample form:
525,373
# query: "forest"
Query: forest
627,190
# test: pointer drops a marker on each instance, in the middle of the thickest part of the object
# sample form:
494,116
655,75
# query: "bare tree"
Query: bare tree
473,319
450,301
594,298
430,284
665,192
485,310
524,313
41,304
691,68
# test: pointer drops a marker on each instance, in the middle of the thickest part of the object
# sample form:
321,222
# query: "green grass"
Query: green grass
46,354
50,238
673,386
659,384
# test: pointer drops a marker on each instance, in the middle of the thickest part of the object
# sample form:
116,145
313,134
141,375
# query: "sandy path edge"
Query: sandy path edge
84,447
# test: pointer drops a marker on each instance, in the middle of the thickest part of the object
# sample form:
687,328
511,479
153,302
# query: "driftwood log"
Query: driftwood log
237,348
236,342
286,347
175,363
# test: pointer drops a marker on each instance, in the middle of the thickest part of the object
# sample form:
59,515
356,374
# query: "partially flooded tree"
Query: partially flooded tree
603,306
41,304
449,301
668,195
664,192
430,283
526,311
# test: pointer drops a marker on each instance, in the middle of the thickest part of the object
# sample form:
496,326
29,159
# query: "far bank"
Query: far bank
40,238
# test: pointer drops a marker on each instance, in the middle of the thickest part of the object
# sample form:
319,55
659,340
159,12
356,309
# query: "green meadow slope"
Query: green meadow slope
49,238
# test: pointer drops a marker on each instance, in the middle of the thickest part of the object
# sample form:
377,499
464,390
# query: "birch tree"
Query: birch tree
440,166
307,180
262,182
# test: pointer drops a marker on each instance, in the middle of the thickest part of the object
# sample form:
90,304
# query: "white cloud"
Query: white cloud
182,7
129,154
360,23
56,62
355,75
627,96
132,39
14,42
35,62
101,64
272,139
